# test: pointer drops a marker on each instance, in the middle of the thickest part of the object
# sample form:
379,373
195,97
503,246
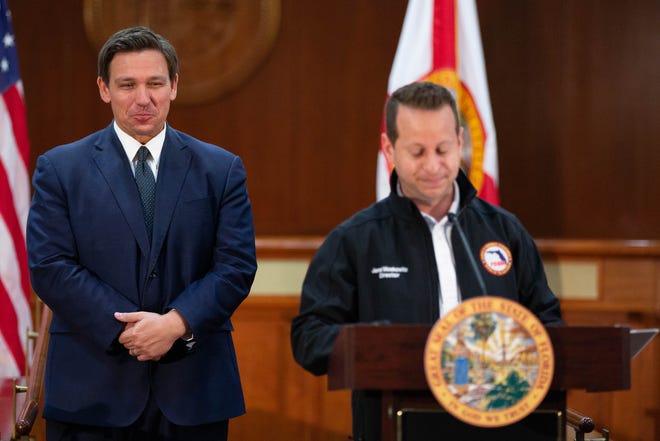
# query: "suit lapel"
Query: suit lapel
173,168
111,160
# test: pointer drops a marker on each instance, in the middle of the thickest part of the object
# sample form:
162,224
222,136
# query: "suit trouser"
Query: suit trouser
150,426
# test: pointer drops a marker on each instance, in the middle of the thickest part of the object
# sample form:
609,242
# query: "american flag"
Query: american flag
15,317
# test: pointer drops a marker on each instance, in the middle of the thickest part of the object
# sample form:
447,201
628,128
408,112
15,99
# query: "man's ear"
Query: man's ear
175,85
387,147
103,90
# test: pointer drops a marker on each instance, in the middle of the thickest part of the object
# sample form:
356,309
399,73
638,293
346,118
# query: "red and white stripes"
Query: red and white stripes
15,316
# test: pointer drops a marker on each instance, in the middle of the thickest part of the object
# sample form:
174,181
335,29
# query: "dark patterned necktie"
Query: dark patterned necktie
146,183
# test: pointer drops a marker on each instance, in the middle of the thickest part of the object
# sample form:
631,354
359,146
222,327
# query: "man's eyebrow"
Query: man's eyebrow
152,78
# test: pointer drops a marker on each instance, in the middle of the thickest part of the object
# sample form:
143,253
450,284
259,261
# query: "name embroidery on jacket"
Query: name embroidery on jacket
389,272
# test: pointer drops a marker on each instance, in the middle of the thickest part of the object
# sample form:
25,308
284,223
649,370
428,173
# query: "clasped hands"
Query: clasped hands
149,335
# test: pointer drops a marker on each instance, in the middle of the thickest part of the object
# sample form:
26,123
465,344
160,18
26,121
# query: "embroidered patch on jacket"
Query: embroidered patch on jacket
389,272
496,258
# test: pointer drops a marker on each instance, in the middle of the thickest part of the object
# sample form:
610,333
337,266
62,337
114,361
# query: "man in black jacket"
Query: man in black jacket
401,260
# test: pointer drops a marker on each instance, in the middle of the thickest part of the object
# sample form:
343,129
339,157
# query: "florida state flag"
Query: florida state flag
440,42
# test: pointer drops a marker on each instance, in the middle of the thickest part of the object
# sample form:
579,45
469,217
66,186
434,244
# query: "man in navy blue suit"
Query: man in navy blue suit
142,281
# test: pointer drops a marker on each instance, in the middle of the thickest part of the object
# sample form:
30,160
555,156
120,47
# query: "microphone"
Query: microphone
473,262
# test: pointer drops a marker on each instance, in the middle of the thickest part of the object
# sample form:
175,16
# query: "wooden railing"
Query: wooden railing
306,246
28,413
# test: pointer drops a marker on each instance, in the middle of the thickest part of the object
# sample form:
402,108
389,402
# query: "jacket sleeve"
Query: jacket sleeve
80,300
328,300
535,293
213,298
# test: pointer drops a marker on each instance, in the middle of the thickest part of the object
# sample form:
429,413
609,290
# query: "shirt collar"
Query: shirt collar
131,145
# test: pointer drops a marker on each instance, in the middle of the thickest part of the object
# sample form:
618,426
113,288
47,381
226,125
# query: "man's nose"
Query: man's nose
142,96
432,163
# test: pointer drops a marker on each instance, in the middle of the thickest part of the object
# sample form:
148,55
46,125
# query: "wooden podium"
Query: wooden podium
390,359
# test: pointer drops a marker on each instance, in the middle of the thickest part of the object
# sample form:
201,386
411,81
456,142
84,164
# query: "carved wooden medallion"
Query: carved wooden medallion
220,43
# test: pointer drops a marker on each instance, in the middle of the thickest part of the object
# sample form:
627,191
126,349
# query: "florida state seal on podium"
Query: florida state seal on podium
489,362
488,370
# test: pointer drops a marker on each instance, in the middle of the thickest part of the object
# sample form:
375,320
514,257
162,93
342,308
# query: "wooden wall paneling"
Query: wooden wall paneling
628,296
573,92
58,69
284,402
570,85
575,101
606,47
523,56
307,124
629,281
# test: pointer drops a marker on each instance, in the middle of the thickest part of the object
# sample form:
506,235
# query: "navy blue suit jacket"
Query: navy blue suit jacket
90,256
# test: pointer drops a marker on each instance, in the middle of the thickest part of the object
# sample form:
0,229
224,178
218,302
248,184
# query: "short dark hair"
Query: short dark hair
136,39
419,95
